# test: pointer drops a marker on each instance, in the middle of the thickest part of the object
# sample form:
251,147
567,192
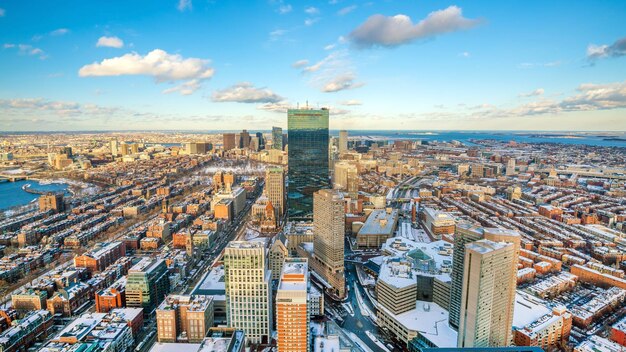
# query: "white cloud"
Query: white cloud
310,21
351,102
158,63
346,10
185,88
246,92
527,65
330,47
184,5
279,107
333,73
616,49
465,54
58,108
27,49
589,97
312,10
379,30
534,93
341,82
2,12
60,31
110,42
284,9
297,64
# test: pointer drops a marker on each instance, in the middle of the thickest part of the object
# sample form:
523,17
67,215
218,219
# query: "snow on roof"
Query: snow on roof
528,309
430,320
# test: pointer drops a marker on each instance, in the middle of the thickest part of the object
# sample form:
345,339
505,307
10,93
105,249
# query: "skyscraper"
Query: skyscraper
485,319
261,145
308,159
275,189
248,293
343,141
244,139
466,233
292,318
277,138
114,147
329,233
229,141
346,177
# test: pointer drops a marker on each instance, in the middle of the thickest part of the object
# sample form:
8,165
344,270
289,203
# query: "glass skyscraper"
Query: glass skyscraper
308,159
277,138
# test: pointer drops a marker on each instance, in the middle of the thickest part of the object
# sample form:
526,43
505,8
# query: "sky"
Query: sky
393,65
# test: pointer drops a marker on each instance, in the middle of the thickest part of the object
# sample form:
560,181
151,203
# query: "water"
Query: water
587,138
12,194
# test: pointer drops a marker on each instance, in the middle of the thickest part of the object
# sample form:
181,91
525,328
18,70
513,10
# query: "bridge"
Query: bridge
14,177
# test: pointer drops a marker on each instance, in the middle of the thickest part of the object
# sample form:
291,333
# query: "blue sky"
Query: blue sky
404,64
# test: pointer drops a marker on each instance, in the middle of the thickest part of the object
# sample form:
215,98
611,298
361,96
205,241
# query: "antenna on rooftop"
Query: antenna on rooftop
307,104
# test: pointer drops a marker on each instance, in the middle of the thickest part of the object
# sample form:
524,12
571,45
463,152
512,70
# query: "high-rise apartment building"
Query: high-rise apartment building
277,138
147,284
466,233
485,319
184,318
308,159
114,147
329,233
292,318
510,167
343,141
346,177
275,189
248,291
228,142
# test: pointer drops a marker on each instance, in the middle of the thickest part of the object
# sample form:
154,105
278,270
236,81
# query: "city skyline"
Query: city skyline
201,65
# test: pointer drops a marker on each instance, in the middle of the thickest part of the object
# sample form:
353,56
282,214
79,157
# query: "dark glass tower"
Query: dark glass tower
308,159
277,138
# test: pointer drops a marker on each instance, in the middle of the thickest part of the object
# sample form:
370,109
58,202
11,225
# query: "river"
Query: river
12,194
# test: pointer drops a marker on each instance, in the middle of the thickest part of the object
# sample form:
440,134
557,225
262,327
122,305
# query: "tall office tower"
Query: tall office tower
487,285
259,135
275,189
147,284
292,318
308,159
244,139
277,138
510,167
343,141
229,141
346,177
466,233
114,147
248,291
254,144
125,149
329,233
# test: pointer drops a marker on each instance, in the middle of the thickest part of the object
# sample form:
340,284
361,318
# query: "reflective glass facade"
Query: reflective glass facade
308,159
277,138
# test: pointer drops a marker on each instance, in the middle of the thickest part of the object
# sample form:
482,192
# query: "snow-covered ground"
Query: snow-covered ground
365,311
376,341
359,342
